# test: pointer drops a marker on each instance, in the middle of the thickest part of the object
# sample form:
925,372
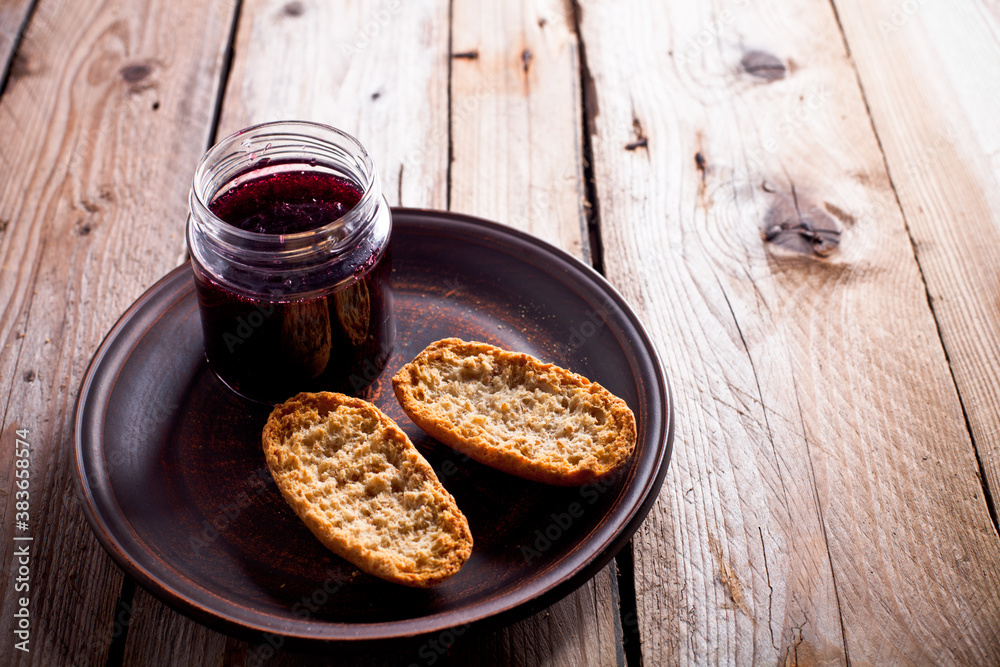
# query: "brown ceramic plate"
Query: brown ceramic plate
176,488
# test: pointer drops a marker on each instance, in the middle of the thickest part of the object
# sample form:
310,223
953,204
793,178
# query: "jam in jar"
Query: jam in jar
289,242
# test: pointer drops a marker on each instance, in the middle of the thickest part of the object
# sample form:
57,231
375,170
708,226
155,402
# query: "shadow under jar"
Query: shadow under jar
289,239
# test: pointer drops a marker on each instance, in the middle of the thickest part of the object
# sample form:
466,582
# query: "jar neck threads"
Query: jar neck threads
237,257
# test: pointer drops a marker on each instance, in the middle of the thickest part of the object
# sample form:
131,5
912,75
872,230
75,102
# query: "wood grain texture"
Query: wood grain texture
582,629
378,71
929,72
156,632
809,515
516,119
571,632
88,222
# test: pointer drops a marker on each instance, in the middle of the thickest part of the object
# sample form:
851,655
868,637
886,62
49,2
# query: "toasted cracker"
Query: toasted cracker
362,488
515,413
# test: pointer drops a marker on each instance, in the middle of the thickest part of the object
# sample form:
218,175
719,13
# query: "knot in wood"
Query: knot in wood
763,65
136,73
801,227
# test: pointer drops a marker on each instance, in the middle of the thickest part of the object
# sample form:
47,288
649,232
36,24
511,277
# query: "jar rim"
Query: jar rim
246,260
257,162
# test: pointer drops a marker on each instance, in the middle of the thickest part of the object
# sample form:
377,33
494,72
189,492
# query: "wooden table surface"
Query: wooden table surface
800,199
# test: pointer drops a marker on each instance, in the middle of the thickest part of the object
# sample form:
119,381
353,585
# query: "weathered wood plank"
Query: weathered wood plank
111,104
579,630
930,76
155,630
377,71
810,511
516,119
571,632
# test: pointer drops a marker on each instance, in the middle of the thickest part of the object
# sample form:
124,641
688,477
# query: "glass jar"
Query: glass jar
289,240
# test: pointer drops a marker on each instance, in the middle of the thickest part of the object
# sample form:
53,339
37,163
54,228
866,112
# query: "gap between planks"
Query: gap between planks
587,106
227,66
630,647
9,59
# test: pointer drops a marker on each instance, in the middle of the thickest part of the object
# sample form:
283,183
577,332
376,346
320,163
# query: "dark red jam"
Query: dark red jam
287,202
335,339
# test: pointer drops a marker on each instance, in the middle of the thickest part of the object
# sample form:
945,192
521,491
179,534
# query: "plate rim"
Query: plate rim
543,592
